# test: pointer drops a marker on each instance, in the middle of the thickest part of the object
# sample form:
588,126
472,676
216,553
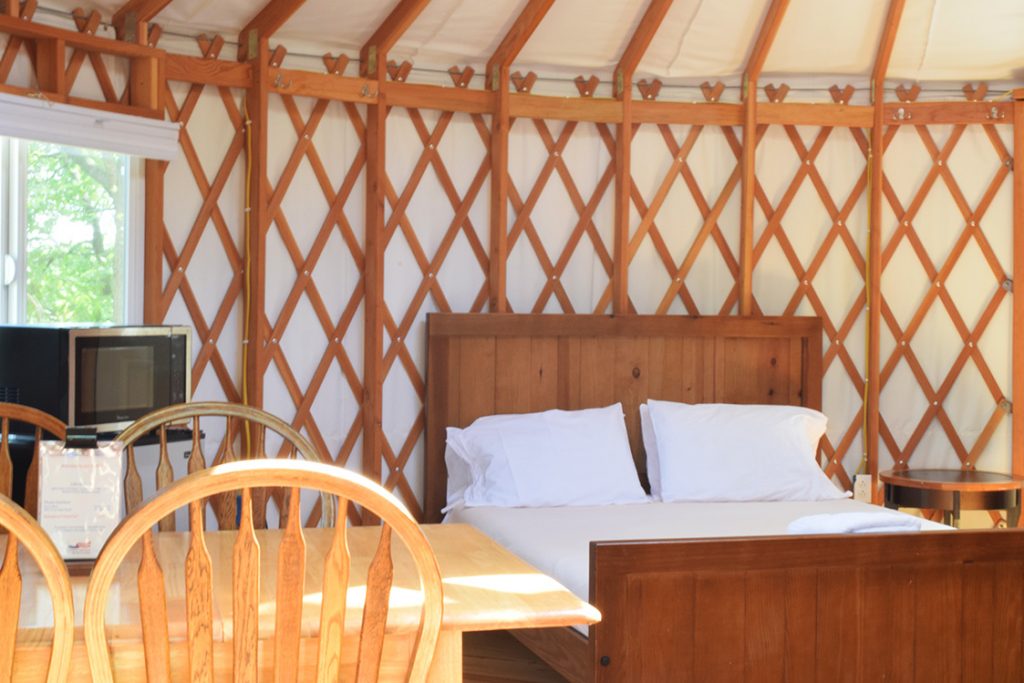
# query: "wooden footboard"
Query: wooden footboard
916,607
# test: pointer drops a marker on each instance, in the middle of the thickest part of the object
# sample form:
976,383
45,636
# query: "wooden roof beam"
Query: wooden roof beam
134,15
514,41
764,41
638,44
373,55
885,45
265,24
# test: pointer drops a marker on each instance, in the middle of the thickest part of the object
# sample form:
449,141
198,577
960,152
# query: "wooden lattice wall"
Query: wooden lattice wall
372,201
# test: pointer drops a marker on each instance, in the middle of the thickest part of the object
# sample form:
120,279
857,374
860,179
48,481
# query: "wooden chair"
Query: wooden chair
245,423
43,422
23,530
191,491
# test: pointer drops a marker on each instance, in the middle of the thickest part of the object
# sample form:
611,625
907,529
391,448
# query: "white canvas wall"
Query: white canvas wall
416,244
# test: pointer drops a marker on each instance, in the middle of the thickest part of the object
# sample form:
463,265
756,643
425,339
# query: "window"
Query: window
67,247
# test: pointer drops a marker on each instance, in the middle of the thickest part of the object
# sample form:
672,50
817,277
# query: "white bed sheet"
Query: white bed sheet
557,540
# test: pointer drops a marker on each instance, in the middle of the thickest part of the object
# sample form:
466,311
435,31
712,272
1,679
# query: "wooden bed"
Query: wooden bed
923,607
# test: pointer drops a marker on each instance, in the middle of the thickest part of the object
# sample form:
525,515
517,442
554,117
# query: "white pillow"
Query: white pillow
554,458
460,475
729,452
651,451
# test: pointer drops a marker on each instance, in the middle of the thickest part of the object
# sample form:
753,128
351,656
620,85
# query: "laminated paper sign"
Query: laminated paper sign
80,493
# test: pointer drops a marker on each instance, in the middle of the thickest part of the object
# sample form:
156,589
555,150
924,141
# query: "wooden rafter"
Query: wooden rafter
373,55
514,41
885,45
758,55
130,21
265,24
498,81
874,251
639,43
623,89
765,38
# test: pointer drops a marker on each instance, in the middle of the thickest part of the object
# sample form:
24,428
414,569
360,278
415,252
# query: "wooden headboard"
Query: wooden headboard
485,364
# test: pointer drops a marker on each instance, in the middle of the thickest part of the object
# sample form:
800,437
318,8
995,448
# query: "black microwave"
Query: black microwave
102,377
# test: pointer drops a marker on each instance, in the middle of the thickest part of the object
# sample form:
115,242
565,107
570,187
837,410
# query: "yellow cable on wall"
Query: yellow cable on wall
247,281
862,468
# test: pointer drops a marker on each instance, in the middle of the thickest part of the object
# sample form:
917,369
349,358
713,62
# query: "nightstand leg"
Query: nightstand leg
956,509
1013,514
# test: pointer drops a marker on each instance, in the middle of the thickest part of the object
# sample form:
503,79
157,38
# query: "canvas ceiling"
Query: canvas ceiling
938,40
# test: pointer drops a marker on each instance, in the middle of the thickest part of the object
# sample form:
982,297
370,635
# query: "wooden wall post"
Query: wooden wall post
153,259
256,113
254,47
147,90
497,77
874,251
1018,281
373,65
770,27
131,23
498,257
623,91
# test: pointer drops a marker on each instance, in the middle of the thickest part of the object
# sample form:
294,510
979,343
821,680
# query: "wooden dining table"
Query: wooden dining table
486,587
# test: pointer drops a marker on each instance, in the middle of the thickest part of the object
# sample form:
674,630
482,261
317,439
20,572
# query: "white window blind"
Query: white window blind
65,124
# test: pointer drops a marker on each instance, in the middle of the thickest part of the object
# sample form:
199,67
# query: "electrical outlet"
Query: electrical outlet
862,488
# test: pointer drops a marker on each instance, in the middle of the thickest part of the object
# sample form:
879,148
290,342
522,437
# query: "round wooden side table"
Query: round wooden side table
952,491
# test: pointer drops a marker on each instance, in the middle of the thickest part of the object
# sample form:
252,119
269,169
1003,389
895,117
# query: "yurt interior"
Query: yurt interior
308,306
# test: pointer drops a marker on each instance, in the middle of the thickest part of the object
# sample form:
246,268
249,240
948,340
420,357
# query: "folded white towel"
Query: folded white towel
854,523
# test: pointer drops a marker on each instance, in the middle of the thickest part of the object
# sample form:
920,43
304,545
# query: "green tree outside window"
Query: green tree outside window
75,213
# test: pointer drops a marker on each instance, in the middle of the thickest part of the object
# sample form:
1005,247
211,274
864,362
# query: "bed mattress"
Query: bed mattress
557,540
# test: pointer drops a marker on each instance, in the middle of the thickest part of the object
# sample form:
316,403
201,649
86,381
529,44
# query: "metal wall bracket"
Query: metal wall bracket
131,27
371,61
253,47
